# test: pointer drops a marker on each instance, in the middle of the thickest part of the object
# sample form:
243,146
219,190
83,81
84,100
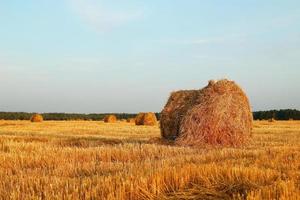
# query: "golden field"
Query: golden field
93,160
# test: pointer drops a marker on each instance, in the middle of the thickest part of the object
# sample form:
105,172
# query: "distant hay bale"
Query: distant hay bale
218,114
131,120
147,119
139,119
110,119
36,118
271,120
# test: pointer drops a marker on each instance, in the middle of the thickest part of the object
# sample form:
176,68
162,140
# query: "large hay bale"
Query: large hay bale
218,114
36,118
110,119
147,119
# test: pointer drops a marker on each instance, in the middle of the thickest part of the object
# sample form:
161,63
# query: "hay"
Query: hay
131,120
36,118
147,119
139,119
218,114
110,119
177,106
271,120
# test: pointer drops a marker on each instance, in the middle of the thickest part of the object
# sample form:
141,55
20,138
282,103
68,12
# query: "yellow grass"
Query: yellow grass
93,160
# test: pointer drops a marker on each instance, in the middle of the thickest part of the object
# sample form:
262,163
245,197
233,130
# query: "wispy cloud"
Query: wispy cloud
200,41
285,20
209,40
100,17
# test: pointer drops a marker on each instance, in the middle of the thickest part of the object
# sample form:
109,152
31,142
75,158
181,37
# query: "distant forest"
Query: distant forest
286,114
64,116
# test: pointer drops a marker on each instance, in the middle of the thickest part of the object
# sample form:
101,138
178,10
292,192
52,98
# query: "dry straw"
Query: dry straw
110,119
147,119
36,118
218,114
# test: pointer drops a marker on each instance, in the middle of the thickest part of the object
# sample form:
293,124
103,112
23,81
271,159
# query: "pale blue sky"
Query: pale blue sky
127,56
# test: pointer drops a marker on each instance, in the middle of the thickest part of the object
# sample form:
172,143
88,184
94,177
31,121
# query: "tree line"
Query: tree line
65,116
286,114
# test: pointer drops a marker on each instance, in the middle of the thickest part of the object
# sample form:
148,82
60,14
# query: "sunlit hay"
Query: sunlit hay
131,120
221,116
150,119
160,141
218,114
36,118
92,160
110,119
147,119
211,82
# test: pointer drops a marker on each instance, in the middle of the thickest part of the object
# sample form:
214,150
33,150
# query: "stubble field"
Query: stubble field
94,160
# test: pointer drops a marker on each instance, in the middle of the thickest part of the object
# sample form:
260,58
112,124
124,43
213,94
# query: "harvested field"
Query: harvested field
85,159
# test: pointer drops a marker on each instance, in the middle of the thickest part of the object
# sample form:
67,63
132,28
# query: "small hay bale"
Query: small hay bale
131,120
139,119
36,118
218,114
271,120
147,119
110,119
150,119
